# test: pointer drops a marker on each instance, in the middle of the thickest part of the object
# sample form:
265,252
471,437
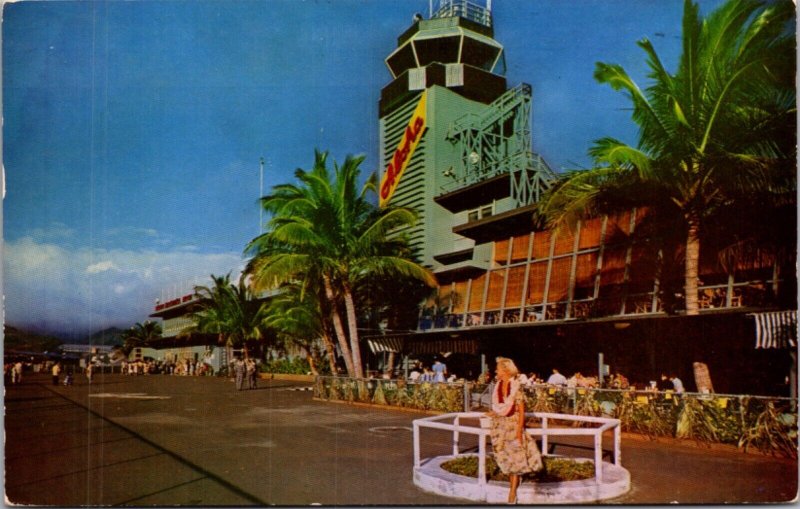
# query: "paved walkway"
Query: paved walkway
161,440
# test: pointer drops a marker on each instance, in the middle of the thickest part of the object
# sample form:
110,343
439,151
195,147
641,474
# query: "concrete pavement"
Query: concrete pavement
163,440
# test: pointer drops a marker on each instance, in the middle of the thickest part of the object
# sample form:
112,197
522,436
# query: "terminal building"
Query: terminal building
456,145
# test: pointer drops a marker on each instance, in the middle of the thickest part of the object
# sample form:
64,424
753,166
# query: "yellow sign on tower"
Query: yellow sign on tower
403,153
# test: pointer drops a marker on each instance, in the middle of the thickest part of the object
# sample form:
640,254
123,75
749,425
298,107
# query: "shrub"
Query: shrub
555,469
295,366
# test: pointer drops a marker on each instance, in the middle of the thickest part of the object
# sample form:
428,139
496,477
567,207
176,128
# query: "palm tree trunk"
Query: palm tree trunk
338,328
328,342
350,308
312,365
692,264
390,364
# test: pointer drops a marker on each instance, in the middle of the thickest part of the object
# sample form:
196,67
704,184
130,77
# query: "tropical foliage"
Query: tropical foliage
422,396
296,317
140,335
325,233
766,424
231,311
717,131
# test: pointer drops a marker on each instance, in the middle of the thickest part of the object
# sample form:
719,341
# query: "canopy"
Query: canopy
776,329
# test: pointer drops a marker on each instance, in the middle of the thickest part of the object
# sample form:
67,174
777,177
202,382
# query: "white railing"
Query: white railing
545,431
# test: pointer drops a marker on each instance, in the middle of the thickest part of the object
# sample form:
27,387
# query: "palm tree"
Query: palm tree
296,317
212,315
140,335
231,311
325,229
720,127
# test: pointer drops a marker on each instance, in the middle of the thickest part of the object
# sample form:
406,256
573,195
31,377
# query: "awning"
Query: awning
386,344
434,346
776,329
422,345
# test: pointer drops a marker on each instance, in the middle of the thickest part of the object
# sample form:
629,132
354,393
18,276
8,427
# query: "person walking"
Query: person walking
514,451
238,370
439,369
56,371
89,372
677,384
18,372
250,368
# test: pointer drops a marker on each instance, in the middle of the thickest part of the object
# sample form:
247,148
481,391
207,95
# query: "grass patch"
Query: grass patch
555,469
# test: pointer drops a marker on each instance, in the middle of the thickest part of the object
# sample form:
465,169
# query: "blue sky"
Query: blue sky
133,130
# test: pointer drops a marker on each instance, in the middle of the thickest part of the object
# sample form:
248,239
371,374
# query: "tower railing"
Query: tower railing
465,9
498,141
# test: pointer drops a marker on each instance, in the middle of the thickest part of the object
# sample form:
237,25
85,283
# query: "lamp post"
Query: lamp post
260,194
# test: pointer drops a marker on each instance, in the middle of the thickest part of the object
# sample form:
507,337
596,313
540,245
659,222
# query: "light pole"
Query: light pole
260,194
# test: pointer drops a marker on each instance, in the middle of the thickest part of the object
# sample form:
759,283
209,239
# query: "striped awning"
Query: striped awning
777,329
385,344
434,346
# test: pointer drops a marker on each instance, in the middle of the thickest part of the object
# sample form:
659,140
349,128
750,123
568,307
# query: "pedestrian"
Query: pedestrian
250,369
238,370
56,372
557,378
439,369
677,384
89,372
18,372
514,450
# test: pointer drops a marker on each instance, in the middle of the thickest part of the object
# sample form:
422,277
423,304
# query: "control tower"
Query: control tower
455,140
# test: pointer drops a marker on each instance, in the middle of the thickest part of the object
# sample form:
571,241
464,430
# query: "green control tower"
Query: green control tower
455,141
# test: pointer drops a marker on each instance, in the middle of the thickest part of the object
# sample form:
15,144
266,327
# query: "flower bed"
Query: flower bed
555,469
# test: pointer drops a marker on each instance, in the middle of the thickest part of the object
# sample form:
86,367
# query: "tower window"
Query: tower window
480,213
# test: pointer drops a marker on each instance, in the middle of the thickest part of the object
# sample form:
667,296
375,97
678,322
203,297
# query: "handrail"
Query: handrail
545,431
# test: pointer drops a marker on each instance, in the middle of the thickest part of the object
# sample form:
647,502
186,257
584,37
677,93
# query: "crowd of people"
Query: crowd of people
182,367
437,373
245,370
667,382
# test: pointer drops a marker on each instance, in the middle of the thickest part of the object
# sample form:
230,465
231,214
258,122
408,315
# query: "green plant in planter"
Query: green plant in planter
333,390
349,393
539,401
641,416
378,397
555,469
772,433
586,405
390,392
444,398
697,421
421,396
362,389
401,396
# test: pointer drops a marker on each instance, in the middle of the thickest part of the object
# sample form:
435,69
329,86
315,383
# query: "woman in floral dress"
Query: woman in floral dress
514,451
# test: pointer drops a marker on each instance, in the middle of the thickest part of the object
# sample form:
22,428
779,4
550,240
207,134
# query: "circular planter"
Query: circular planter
431,477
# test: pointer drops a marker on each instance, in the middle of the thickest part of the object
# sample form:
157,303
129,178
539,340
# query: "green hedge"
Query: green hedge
295,366
766,424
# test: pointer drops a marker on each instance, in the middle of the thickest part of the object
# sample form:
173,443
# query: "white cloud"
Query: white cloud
67,289
101,267
54,231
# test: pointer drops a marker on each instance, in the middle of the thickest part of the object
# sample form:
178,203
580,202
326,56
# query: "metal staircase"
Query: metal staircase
498,141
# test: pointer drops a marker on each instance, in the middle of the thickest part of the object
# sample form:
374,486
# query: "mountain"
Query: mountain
19,340
110,337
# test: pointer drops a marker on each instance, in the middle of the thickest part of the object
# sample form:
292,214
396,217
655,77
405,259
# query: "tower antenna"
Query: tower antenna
260,194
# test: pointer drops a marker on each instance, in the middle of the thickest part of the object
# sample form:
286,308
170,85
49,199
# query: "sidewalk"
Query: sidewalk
162,440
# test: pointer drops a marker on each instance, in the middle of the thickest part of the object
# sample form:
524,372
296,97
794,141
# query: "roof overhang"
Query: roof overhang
503,225
476,194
